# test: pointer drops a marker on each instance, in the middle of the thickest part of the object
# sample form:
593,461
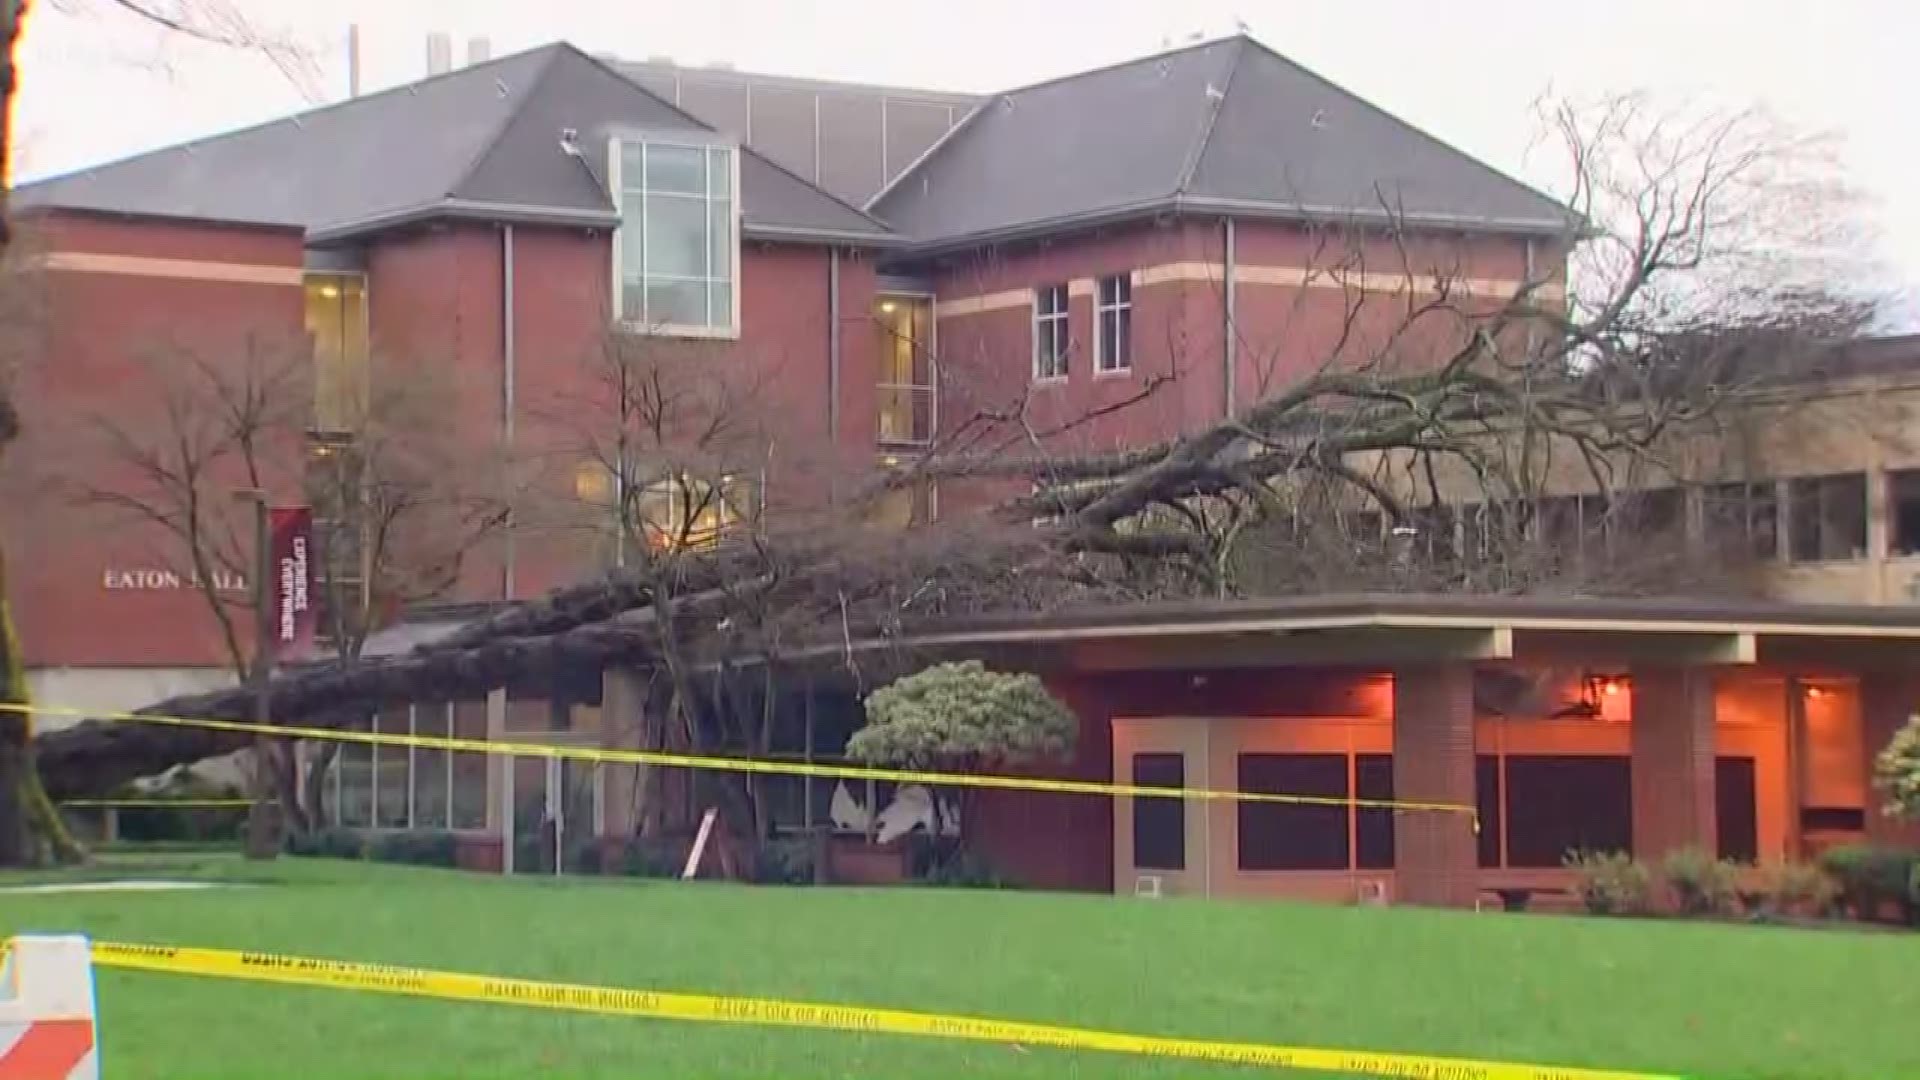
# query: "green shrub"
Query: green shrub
1700,883
584,856
1795,890
332,843
945,863
786,861
155,824
415,847
1871,878
647,858
1611,882
1896,770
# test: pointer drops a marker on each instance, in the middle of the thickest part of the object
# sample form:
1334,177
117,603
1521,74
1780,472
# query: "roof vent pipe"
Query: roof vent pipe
479,50
439,53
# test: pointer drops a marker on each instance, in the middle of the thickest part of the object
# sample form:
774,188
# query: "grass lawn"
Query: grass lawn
1708,1001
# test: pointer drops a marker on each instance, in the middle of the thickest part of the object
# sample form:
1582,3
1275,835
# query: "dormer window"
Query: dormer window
676,254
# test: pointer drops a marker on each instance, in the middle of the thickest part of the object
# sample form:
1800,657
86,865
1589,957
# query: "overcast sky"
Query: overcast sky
97,86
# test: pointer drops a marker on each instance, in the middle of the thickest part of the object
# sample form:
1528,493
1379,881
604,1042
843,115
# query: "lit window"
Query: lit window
687,512
677,248
672,512
1113,324
336,317
1050,332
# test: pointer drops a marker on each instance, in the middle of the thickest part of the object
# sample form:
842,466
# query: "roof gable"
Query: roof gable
484,141
1288,138
1224,126
1113,139
356,159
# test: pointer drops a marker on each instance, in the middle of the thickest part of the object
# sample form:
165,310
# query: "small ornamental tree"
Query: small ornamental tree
961,717
1897,771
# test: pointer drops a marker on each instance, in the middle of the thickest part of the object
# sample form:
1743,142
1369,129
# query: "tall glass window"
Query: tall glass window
336,318
678,244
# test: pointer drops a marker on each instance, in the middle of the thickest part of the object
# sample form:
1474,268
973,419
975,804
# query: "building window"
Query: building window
1294,836
1486,805
1556,805
673,512
468,809
1742,519
1113,324
688,512
1827,518
1373,825
432,769
1050,332
1159,822
1735,809
1903,512
678,244
336,319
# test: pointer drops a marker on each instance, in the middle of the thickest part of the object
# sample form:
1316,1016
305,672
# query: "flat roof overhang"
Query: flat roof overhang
1383,631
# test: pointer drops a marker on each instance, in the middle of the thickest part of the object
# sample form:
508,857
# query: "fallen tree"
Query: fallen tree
1429,400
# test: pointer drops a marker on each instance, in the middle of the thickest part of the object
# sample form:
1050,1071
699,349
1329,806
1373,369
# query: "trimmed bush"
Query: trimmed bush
1872,879
1701,884
418,847
646,858
786,861
1795,890
1611,882
156,824
334,843
945,863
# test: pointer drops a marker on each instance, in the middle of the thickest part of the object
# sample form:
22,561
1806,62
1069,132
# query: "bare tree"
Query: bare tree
25,811
399,504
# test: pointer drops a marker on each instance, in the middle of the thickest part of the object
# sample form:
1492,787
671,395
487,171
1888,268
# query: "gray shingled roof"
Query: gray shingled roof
483,141
1224,126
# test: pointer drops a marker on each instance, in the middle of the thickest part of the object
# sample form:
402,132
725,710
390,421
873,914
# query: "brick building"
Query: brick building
882,258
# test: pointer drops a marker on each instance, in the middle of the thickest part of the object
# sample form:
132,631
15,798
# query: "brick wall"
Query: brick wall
1673,760
1434,852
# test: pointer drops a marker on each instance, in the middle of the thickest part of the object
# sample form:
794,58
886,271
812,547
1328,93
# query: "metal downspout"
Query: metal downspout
1228,333
508,378
833,348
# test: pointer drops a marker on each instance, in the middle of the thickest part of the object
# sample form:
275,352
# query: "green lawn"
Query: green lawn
1724,1002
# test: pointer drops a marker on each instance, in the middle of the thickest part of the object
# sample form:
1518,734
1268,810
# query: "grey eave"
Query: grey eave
1203,205
465,210
853,238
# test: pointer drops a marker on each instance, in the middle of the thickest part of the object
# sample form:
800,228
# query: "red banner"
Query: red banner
295,616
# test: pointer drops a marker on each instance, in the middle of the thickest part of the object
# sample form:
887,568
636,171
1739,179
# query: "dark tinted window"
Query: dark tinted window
1560,804
1293,836
1160,824
1373,826
1486,800
1736,820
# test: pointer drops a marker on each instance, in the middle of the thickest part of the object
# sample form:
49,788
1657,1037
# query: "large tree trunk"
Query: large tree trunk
27,817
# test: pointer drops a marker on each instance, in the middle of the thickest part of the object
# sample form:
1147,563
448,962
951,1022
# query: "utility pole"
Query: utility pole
263,832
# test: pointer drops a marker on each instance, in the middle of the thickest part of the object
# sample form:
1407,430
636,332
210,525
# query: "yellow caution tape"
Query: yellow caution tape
744,765
143,804
614,1001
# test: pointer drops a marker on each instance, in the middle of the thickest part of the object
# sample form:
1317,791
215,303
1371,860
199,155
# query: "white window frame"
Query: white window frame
615,187
1052,322
1120,308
